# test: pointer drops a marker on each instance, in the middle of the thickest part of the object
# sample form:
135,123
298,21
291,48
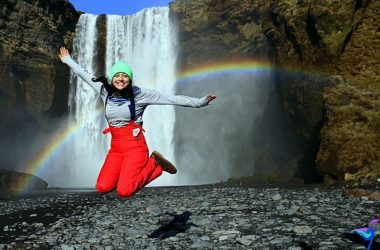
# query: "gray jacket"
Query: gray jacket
117,110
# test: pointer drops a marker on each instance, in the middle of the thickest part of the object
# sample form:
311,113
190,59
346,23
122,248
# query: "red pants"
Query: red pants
127,165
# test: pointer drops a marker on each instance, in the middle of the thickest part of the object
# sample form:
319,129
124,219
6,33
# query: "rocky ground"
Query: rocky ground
188,217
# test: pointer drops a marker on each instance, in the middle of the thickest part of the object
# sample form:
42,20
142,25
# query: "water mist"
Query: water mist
221,141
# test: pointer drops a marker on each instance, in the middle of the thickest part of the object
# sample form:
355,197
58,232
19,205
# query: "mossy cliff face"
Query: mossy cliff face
33,80
212,30
12,181
350,138
328,85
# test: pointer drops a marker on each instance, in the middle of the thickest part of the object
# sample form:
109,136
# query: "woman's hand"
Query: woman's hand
210,98
63,52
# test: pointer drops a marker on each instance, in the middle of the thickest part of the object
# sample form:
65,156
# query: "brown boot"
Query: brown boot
166,165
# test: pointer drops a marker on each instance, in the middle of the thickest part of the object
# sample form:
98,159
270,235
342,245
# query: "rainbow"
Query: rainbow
220,68
52,149
41,161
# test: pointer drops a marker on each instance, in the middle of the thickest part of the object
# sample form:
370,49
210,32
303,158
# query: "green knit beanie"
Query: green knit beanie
120,66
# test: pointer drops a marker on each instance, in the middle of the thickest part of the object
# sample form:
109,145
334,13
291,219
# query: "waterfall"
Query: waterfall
89,149
211,144
147,41
81,155
221,141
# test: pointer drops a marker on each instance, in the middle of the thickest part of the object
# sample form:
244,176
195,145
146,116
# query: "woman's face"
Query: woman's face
120,81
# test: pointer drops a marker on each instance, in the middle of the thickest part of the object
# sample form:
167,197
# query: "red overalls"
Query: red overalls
127,165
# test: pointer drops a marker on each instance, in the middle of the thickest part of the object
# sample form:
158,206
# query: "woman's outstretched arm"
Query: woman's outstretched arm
65,57
147,96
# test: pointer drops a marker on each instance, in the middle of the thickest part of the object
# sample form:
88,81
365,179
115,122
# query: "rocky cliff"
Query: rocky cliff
34,83
214,30
328,85
14,181
30,35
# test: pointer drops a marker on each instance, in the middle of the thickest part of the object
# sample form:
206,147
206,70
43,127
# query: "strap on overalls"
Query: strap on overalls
132,109
131,123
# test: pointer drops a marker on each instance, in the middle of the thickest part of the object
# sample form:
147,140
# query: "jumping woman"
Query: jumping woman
127,166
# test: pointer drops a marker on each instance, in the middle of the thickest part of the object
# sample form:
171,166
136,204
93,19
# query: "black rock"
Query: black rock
12,180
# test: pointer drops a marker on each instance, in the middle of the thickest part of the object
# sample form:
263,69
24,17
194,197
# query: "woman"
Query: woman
127,166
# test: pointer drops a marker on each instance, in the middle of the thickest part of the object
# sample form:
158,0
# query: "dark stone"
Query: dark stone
12,180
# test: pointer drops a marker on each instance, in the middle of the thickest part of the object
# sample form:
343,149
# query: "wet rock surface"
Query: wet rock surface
11,180
188,217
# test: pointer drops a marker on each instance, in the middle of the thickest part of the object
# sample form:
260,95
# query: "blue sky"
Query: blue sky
116,7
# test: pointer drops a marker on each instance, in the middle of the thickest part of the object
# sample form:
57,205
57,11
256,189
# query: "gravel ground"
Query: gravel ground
188,217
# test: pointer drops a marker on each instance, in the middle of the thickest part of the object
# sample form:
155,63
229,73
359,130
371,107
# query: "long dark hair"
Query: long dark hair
126,93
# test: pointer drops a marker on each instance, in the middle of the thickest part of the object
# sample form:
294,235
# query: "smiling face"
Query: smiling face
120,81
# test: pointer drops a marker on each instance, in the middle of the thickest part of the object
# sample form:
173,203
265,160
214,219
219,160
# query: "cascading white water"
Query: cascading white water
147,41
89,149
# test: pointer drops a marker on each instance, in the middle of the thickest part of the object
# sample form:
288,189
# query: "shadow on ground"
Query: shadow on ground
177,225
